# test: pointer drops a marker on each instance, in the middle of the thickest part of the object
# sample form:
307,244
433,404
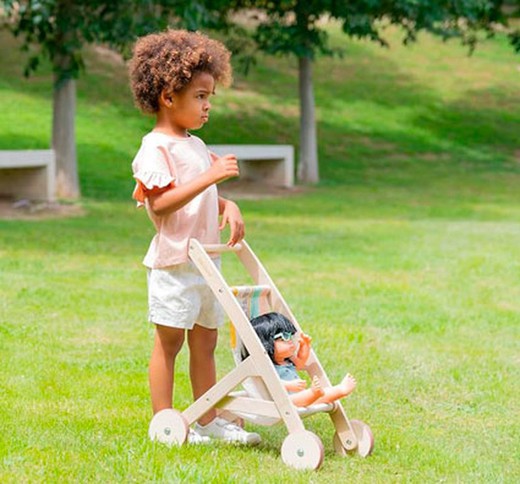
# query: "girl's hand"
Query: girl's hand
231,215
223,167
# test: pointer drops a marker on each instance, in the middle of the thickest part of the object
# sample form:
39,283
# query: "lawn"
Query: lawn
403,264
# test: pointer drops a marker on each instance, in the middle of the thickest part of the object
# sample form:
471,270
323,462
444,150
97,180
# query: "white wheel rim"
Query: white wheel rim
364,436
168,426
302,450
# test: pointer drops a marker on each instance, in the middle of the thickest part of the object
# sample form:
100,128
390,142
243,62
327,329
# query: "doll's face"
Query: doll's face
284,347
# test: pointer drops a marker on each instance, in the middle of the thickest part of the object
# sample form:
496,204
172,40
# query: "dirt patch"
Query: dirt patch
235,190
31,210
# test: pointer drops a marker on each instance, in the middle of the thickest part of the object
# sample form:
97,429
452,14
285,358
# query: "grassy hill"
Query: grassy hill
403,264
428,111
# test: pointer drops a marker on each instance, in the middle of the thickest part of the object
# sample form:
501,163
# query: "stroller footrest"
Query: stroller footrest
316,408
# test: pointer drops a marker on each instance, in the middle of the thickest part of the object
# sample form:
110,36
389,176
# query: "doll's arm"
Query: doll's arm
310,395
295,385
300,359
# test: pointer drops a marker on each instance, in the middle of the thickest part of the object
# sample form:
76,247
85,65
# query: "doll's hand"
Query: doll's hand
296,385
305,340
304,351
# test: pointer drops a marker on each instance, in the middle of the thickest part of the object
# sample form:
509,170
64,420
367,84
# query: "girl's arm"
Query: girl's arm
231,215
163,202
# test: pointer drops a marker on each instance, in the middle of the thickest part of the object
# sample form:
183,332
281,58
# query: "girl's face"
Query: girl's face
284,347
190,107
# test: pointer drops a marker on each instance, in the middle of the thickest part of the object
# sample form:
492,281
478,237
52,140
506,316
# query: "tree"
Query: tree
59,29
292,27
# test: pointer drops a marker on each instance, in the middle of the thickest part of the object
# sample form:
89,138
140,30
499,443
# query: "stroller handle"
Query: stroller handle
218,248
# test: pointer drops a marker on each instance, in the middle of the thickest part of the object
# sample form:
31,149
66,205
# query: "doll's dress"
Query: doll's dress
287,372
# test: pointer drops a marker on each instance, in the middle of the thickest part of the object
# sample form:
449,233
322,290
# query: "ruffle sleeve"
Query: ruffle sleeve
151,171
147,181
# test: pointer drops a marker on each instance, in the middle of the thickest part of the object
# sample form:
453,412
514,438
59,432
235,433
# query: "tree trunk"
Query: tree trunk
64,102
64,139
308,163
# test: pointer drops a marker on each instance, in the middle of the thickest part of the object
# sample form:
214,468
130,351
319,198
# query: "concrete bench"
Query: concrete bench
271,164
29,174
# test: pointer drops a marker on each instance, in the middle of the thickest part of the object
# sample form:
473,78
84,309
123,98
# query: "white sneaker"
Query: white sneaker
224,430
196,438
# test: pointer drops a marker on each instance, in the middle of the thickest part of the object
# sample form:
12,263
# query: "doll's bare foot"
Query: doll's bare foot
348,384
316,387
341,390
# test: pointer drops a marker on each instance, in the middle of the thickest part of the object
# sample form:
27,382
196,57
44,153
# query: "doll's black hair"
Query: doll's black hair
266,327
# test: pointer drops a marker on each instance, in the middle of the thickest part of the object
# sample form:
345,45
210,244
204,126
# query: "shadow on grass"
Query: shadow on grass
23,142
484,118
105,172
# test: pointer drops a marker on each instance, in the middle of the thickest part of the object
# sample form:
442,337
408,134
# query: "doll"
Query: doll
278,334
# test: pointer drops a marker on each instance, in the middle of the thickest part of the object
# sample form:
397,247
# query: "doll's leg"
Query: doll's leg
341,390
308,396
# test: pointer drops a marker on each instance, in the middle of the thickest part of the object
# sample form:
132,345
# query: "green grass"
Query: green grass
403,265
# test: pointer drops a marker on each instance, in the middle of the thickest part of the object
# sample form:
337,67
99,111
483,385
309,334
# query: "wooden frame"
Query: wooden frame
259,365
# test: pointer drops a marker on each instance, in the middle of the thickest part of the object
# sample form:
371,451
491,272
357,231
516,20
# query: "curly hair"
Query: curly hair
169,60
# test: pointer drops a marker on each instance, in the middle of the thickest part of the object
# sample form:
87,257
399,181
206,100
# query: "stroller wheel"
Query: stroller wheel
168,426
302,450
364,436
338,445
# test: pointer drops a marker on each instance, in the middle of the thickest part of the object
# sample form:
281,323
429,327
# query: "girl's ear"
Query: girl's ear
166,98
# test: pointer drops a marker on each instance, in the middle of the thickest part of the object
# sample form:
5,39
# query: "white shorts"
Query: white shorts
179,297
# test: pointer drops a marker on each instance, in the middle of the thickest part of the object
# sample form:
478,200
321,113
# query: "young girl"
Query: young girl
173,75
277,334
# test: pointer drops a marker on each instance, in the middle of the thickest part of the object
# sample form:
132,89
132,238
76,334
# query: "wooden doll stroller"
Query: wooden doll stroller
264,400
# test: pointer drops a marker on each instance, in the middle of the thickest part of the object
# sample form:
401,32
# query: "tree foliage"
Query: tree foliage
59,29
294,26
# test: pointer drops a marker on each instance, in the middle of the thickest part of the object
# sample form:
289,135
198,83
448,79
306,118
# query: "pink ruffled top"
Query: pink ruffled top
165,161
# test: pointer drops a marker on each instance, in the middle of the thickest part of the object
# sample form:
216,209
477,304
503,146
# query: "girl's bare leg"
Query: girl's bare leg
202,342
167,344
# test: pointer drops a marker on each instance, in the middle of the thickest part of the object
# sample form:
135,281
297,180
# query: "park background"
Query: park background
403,264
